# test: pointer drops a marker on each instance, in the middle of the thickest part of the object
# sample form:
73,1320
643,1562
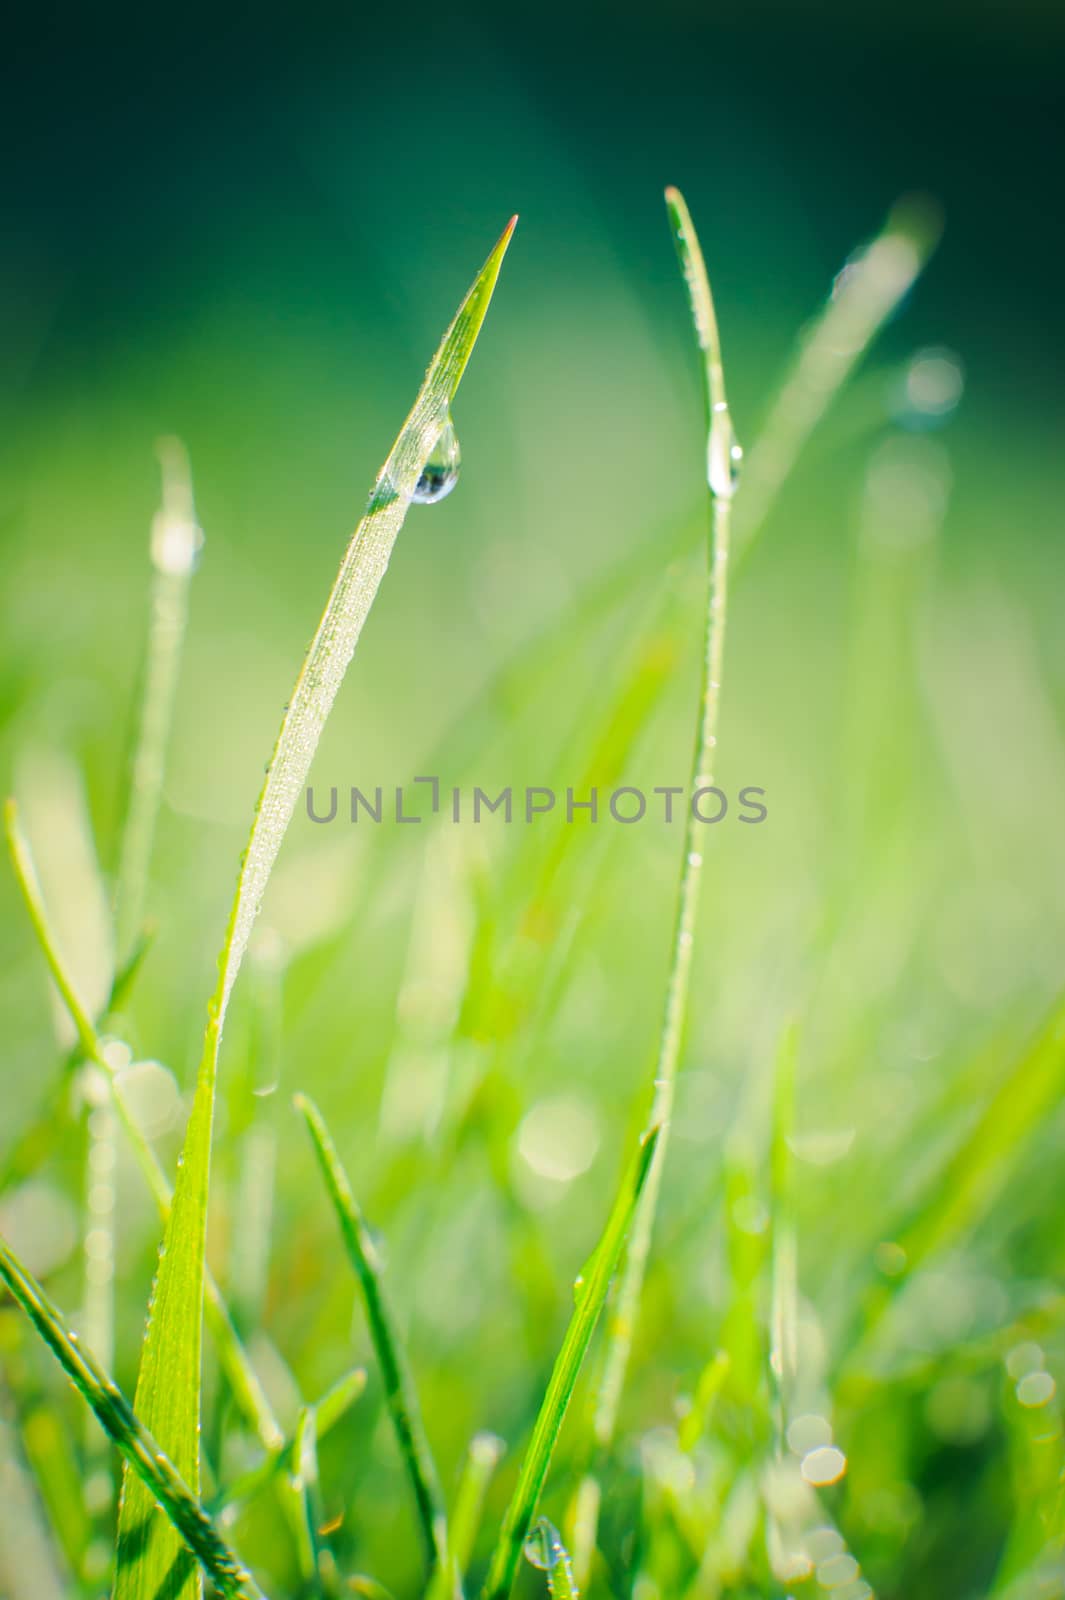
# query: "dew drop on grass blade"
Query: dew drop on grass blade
168,1387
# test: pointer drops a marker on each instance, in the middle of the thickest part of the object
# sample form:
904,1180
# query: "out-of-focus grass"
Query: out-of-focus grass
894,686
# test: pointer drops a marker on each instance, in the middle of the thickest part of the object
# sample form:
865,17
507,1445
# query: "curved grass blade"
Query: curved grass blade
598,1274
168,1386
240,1373
722,465
400,1392
194,1530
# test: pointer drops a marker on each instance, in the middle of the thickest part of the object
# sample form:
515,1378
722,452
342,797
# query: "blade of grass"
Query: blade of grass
194,1529
29,1564
537,1460
482,1459
400,1392
328,1412
169,1383
175,543
232,1355
722,458
865,296
965,1188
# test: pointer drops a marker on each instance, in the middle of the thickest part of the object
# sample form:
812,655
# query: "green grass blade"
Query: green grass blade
196,1534
327,1413
722,460
482,1459
400,1392
175,543
599,1273
168,1387
865,296
967,1185
234,1359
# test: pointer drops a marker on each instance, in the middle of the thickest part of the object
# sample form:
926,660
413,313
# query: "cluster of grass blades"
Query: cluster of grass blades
767,1525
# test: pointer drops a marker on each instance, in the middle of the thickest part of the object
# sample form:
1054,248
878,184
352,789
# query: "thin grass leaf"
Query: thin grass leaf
722,458
317,1567
175,543
400,1392
865,295
965,1188
29,1564
169,1383
784,1268
196,1534
328,1412
534,1468
234,1359
482,1458
50,1453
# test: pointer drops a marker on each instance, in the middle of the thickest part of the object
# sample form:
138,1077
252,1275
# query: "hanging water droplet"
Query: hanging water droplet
441,472
724,454
544,1549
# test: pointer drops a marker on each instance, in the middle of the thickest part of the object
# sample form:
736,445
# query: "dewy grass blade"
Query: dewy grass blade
722,459
400,1392
236,1364
196,1534
168,1387
598,1275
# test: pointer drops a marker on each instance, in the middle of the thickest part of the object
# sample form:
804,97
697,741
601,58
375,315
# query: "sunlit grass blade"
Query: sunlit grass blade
175,541
400,1392
175,544
30,1568
50,1453
168,1386
328,1412
722,458
482,1459
966,1186
590,1300
784,1305
865,296
239,1371
318,1568
196,1534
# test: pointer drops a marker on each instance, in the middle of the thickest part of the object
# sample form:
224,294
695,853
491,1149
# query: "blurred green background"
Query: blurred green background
249,230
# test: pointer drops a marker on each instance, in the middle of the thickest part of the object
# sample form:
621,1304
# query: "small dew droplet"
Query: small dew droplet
441,472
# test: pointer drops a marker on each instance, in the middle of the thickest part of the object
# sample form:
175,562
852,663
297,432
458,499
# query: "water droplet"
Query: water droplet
441,472
545,1550
724,455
